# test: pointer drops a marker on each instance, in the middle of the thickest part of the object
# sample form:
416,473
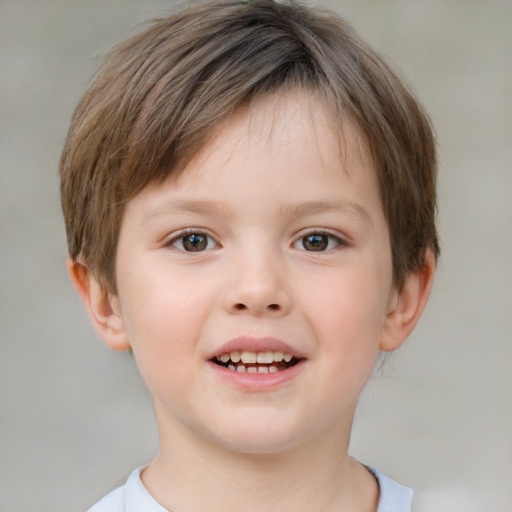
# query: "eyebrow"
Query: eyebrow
203,207
317,207
186,206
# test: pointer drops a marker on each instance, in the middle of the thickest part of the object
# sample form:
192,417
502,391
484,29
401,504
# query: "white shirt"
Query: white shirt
134,497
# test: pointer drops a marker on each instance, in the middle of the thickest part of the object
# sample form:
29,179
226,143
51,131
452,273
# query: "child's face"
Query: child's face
272,240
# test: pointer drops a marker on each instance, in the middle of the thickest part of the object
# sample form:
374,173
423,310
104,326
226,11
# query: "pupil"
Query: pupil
195,242
315,243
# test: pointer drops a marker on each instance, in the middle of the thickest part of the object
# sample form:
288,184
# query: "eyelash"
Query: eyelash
188,233
320,233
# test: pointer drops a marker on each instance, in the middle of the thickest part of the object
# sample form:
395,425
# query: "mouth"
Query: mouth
246,361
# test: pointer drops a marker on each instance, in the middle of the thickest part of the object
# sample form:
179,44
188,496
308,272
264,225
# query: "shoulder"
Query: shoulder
131,497
112,502
393,496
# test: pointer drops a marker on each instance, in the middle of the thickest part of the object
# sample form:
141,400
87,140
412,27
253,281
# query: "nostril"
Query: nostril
240,306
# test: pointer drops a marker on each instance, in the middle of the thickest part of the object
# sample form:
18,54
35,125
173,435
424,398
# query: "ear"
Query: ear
103,308
407,304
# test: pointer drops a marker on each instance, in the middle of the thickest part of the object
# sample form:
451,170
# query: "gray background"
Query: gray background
75,417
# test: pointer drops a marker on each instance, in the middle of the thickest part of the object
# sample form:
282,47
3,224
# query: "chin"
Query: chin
258,446
257,438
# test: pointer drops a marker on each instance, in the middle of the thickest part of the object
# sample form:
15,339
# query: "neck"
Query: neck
317,475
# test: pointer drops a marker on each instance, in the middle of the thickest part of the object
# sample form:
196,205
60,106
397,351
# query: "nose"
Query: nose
258,286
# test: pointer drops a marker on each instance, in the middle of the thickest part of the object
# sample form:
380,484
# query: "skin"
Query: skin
273,175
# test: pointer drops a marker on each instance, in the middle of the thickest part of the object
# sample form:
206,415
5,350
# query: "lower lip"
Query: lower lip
257,381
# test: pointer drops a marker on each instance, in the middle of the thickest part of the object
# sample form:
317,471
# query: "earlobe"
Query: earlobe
103,308
407,305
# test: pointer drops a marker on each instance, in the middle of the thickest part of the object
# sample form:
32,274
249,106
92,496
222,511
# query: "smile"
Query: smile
256,362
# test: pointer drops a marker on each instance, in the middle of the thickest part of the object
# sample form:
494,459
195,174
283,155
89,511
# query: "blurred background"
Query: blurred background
75,418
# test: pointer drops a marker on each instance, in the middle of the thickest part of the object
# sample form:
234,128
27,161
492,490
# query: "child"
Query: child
249,196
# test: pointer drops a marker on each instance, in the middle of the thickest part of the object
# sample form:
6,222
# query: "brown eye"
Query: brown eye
318,242
315,242
194,242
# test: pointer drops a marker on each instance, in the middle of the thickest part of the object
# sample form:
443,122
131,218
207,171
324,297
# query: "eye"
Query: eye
193,242
317,242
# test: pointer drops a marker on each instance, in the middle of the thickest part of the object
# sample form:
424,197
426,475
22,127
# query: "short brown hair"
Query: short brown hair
159,95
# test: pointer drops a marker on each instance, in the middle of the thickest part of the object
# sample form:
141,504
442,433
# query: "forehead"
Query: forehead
272,126
277,150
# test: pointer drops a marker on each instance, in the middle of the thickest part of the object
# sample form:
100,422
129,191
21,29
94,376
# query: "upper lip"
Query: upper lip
255,344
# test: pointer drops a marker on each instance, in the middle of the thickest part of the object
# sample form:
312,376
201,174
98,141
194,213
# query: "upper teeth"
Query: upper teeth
248,357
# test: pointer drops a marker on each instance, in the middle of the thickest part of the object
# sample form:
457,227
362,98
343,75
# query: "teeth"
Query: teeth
278,357
265,357
248,357
253,369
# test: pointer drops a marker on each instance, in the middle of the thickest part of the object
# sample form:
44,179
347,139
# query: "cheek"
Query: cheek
348,318
163,319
